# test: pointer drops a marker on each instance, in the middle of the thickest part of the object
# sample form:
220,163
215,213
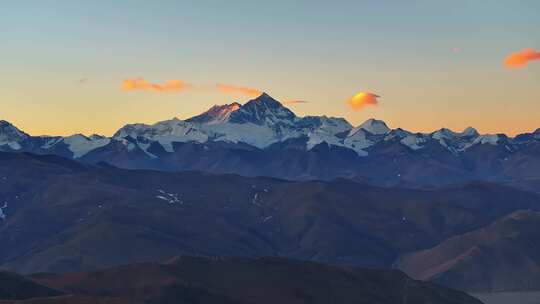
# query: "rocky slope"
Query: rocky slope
504,256
59,215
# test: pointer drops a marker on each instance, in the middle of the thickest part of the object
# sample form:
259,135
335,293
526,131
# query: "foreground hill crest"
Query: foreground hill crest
229,281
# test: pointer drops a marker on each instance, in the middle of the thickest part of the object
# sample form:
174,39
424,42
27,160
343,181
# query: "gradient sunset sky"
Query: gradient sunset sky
433,63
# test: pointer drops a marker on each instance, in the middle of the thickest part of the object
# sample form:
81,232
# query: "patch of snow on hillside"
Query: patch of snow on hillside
254,199
491,139
413,141
444,134
2,214
470,131
259,136
326,131
357,140
171,198
14,145
164,132
80,144
51,141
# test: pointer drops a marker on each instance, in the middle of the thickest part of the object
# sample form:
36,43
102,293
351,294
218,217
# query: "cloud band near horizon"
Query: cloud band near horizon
141,84
235,90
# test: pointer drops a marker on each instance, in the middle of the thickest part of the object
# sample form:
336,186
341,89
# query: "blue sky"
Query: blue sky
433,63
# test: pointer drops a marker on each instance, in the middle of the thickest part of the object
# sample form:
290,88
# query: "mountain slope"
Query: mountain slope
503,256
62,216
16,287
238,280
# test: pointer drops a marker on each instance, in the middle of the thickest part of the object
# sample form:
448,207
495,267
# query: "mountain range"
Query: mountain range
60,215
459,209
264,138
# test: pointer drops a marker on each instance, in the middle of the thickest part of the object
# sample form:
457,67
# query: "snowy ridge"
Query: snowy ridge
264,121
164,132
324,129
260,123
374,126
358,141
216,114
413,141
80,144
11,136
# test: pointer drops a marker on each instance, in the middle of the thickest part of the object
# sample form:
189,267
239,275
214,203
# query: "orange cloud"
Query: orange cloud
521,58
134,84
296,101
230,89
362,99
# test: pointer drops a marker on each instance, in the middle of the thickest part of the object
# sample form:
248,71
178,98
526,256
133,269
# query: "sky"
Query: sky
93,66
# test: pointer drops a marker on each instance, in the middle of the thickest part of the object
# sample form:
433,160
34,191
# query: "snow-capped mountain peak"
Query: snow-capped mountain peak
216,114
374,126
455,141
261,122
10,132
11,135
263,110
80,144
470,131
444,133
397,133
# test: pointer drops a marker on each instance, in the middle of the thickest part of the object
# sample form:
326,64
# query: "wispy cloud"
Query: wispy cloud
363,99
296,101
234,90
140,84
521,58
